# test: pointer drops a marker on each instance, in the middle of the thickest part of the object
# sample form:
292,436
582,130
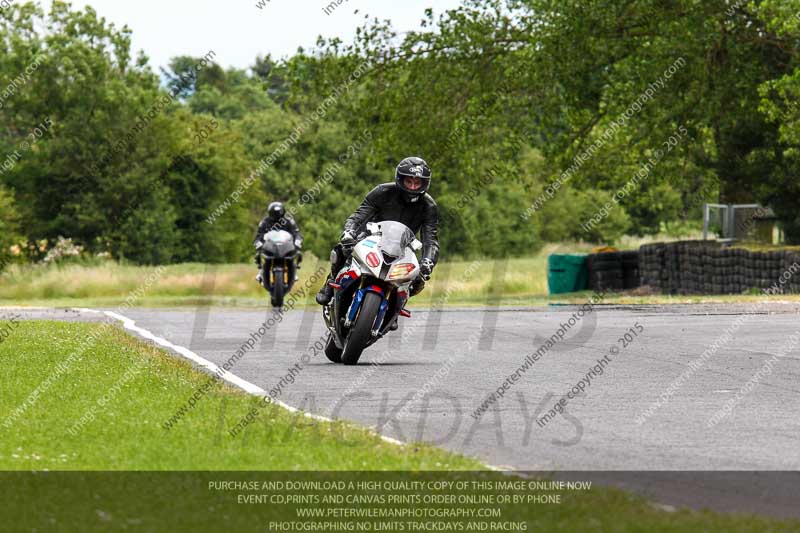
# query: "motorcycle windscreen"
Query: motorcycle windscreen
279,242
395,238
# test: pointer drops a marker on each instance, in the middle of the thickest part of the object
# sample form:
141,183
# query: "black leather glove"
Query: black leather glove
425,269
416,287
347,240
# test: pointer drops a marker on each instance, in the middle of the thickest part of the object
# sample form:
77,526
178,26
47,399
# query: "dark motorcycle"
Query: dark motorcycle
371,290
278,266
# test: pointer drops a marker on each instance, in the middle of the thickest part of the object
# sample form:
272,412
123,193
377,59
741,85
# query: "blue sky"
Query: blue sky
237,30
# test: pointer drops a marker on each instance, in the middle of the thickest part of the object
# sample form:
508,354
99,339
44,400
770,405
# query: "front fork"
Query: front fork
358,299
267,269
288,267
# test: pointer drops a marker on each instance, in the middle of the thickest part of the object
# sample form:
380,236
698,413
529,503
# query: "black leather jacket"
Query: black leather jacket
286,223
387,202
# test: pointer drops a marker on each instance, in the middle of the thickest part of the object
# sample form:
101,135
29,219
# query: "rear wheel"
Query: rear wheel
278,288
361,330
332,352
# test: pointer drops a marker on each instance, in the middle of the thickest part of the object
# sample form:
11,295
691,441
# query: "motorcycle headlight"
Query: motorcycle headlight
402,270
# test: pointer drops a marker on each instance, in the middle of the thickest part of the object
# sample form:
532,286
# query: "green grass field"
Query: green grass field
131,387
517,281
146,387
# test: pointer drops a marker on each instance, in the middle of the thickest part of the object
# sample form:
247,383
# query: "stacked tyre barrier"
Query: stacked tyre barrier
677,267
631,276
651,265
613,271
705,267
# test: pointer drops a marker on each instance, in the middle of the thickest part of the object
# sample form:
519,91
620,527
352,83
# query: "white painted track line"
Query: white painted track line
130,325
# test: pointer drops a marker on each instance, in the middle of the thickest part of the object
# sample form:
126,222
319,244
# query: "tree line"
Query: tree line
502,98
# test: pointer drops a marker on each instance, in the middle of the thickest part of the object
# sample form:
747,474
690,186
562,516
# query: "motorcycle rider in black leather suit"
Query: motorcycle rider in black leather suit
406,200
277,219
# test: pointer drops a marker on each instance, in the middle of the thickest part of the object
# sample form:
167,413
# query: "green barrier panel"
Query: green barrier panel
566,273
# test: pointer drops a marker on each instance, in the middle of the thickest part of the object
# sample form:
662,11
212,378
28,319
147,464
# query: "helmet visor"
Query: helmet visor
414,184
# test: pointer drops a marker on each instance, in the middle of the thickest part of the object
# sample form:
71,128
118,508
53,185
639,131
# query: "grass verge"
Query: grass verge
123,390
131,387
518,281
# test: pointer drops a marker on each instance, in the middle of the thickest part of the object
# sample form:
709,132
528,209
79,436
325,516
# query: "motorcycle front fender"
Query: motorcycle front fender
359,297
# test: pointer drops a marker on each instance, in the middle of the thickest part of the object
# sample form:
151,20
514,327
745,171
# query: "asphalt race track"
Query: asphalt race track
460,356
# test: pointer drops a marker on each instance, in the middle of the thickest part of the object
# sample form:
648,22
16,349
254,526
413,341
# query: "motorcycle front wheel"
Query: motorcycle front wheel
361,330
278,287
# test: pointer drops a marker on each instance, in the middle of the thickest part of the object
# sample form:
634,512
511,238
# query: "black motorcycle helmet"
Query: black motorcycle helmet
276,210
413,167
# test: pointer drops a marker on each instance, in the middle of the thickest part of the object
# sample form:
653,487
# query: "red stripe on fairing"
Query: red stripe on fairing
350,273
376,288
